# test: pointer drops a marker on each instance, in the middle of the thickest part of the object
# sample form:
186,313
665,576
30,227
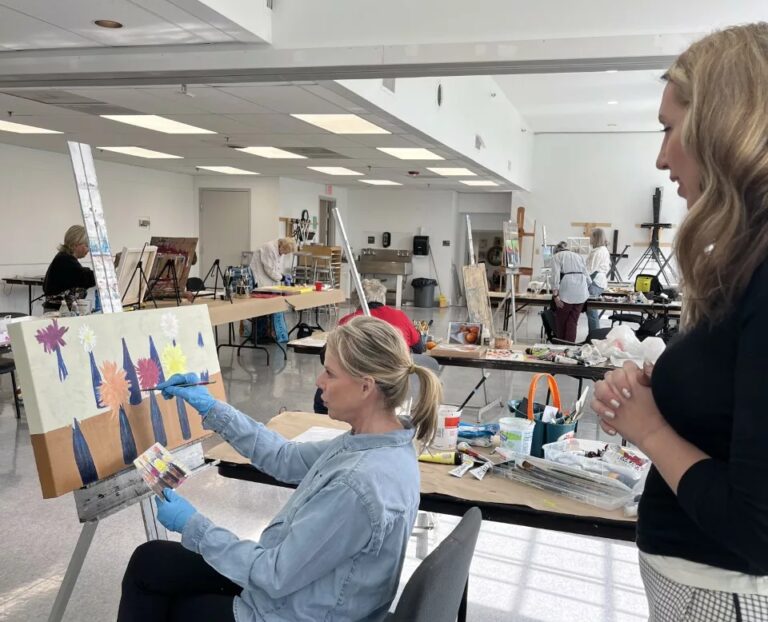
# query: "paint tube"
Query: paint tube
462,469
480,471
441,457
566,360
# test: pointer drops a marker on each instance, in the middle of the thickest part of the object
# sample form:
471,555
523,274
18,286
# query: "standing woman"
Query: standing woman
65,274
570,291
335,551
598,266
700,413
267,262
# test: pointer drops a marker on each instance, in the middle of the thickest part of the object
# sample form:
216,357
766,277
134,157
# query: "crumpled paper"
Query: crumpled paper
621,344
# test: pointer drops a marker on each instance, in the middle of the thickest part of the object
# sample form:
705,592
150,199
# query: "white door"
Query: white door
225,228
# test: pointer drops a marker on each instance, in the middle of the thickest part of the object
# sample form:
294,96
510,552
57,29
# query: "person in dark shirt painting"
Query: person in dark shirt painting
700,413
65,273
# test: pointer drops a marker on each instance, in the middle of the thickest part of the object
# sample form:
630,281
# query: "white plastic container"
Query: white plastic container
447,432
516,434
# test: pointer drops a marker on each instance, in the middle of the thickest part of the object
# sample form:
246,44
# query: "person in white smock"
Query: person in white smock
598,266
267,262
569,290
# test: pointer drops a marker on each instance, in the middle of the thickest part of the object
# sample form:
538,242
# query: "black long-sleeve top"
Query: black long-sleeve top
65,273
710,385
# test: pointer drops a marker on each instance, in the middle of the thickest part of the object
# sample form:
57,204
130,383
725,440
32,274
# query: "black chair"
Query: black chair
437,590
195,284
8,366
548,325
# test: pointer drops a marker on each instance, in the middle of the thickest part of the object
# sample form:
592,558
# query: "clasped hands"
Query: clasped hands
624,404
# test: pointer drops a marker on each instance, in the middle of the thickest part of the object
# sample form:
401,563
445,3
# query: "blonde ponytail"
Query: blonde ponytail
424,413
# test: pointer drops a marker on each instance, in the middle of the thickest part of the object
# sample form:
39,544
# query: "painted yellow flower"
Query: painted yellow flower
174,360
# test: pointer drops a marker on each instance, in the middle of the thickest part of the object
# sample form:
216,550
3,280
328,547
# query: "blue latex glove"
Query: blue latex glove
175,511
197,397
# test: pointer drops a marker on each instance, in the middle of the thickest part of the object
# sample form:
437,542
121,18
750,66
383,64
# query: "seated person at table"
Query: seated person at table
65,275
376,295
335,551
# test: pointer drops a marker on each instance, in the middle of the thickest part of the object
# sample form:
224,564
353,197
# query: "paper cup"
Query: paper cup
447,432
516,434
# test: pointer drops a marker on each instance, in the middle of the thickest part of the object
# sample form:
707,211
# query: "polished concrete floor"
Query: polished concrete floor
518,574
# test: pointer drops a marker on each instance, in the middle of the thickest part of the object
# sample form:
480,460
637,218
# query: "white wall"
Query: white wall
296,196
39,202
600,178
405,213
471,105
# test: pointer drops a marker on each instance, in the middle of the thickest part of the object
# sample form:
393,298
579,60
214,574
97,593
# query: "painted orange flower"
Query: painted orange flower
114,389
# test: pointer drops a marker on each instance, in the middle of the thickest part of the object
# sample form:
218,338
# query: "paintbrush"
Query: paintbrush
183,386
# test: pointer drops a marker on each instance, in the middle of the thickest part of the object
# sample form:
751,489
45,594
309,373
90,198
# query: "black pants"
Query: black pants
165,582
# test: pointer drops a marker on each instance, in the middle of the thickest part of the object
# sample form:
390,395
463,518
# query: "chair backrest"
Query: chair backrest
435,589
195,284
548,322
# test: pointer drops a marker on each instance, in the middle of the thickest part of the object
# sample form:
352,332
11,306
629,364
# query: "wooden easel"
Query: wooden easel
521,235
587,227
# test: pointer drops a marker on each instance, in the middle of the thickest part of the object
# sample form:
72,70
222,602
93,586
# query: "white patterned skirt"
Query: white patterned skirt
669,601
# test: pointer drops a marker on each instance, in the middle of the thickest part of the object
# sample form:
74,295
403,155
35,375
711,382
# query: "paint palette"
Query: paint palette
160,469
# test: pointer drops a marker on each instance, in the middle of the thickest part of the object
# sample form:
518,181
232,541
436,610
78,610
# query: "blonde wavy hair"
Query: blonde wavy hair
367,346
74,236
722,80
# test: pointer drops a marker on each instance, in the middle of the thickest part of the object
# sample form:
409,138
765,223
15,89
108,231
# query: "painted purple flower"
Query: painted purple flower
52,338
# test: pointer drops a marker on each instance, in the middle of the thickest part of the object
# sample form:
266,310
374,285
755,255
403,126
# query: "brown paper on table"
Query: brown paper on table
435,478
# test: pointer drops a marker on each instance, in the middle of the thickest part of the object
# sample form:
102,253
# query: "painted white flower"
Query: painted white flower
169,324
87,338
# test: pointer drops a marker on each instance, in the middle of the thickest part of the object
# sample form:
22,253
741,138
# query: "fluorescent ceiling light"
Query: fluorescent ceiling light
20,128
156,123
408,153
228,170
380,182
140,152
478,182
333,170
452,172
271,152
341,123
613,102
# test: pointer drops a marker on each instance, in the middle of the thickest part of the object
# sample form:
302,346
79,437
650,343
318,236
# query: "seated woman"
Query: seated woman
335,551
65,275
376,295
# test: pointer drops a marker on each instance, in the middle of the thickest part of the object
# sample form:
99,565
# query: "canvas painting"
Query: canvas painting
174,256
84,379
129,281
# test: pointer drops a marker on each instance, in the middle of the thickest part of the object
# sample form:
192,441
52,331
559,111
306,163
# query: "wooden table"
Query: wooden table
499,499
30,282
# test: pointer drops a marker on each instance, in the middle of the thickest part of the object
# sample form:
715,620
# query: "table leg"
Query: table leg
29,287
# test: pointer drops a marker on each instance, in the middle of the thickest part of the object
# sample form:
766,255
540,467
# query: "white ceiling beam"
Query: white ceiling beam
232,63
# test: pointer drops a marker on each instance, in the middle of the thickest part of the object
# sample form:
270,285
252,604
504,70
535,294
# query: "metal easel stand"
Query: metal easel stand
139,269
351,260
101,499
216,272
170,268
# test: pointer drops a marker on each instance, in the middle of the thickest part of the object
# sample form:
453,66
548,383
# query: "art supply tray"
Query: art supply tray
629,466
603,492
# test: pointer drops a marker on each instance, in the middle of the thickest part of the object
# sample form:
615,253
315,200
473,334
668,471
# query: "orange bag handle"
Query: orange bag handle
552,388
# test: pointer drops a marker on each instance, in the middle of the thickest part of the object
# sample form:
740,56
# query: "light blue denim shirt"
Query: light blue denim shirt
335,551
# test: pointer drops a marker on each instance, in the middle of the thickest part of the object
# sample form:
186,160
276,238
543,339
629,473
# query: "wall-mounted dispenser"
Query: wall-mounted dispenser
386,239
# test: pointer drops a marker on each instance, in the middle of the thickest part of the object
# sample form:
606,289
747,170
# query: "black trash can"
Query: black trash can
423,292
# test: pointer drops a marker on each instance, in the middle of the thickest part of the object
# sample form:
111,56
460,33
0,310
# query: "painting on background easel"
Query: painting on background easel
83,380
476,291
131,281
